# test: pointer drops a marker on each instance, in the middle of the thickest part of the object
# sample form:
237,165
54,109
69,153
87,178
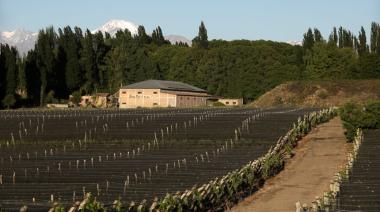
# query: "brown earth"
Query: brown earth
320,93
319,155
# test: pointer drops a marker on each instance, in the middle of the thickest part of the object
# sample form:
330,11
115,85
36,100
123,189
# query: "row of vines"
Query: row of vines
356,187
133,156
223,192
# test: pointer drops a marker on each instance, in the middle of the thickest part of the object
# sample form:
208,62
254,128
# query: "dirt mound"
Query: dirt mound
320,93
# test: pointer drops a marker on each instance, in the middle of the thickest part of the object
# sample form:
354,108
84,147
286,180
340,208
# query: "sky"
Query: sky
280,20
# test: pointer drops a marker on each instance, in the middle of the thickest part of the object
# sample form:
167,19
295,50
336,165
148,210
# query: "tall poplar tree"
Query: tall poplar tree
73,72
374,36
340,37
201,40
308,39
362,42
45,58
88,62
317,36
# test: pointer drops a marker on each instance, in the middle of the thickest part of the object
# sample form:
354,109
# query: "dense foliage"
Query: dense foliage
69,60
356,116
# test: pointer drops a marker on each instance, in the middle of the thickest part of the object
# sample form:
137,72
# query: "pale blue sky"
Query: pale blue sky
281,20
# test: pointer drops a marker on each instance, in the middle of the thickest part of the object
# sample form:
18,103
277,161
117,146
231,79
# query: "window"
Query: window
227,103
155,92
123,92
234,103
139,92
124,103
155,103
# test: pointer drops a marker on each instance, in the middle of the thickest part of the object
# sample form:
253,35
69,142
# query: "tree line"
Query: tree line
70,61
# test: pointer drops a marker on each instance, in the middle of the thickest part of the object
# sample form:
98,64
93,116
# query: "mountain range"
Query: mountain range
24,40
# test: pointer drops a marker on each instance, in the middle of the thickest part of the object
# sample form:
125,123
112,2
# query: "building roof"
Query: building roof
165,85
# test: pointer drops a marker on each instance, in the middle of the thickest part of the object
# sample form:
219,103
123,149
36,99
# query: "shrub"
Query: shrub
76,97
218,104
272,165
373,108
355,116
9,101
50,97
90,204
278,101
323,95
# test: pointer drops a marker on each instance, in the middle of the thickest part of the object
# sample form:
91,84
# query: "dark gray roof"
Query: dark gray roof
163,84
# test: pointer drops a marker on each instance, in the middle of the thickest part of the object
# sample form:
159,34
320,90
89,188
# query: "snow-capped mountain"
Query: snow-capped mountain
177,38
22,39
113,26
295,42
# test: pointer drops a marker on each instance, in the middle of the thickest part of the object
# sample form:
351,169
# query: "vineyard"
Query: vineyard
131,155
360,189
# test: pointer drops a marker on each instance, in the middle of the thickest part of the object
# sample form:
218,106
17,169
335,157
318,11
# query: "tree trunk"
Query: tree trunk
42,93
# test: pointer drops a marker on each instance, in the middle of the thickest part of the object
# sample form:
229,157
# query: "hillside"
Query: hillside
320,93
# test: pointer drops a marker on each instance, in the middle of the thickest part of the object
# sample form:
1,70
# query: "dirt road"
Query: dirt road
318,157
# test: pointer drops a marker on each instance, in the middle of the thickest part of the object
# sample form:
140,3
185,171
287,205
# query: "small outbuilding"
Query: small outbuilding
231,102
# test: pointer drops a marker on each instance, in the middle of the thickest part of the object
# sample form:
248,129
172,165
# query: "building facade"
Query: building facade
160,93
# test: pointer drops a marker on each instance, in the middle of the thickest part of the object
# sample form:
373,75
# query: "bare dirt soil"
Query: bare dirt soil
319,155
320,93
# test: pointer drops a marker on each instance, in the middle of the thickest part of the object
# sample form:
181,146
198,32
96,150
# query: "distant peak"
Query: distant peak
114,25
295,42
7,34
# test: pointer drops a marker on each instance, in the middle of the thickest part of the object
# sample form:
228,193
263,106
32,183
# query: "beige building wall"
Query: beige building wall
190,101
231,102
133,98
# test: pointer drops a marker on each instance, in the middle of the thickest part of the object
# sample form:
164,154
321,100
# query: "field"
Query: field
59,155
361,190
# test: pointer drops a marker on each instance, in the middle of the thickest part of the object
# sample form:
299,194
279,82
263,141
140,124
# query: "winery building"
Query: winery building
161,93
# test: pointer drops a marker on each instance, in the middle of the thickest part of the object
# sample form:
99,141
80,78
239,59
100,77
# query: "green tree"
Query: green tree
32,76
201,40
347,39
368,67
333,39
45,58
114,64
21,78
142,37
340,38
2,71
11,70
158,38
76,97
101,50
308,39
318,36
362,42
60,87
88,62
73,72
326,62
375,33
